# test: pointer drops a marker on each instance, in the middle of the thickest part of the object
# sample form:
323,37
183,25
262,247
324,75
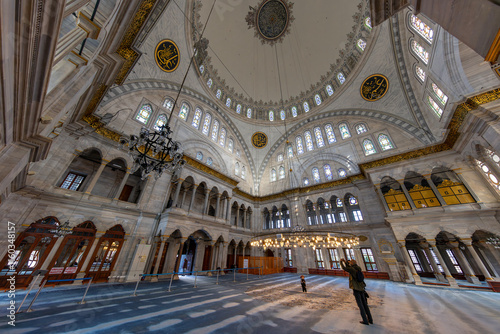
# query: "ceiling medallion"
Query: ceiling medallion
167,55
259,140
271,20
374,87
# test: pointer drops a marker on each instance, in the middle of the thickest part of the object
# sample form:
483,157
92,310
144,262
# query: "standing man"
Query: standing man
357,284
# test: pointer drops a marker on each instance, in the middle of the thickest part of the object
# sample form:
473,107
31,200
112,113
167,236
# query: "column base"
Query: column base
79,282
453,283
472,279
417,279
154,279
440,277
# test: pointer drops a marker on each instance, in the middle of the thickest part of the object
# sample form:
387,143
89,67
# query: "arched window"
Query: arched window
144,113
228,102
368,147
492,179
206,124
434,106
353,209
328,171
273,175
218,94
230,145
305,181
422,29
281,172
290,151
168,104
271,115
243,172
294,111
385,142
329,90
317,99
361,128
215,130
306,106
341,172
199,156
420,73
309,142
249,112
361,44
237,168
300,146
209,83
319,137
450,186
315,174
222,137
238,153
197,118
184,111
280,157
330,134
160,121
210,161
344,131
341,77
368,23
238,108
282,115
439,93
420,51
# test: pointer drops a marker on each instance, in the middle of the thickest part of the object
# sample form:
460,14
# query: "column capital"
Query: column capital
89,26
218,195
431,243
467,242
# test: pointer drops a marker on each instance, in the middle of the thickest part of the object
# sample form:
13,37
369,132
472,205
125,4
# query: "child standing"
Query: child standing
303,283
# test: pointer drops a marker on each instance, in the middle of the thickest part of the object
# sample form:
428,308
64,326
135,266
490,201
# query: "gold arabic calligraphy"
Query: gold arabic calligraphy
167,55
374,87
259,140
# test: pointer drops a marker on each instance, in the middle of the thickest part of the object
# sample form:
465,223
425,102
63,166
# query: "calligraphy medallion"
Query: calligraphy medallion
374,87
271,20
167,55
259,140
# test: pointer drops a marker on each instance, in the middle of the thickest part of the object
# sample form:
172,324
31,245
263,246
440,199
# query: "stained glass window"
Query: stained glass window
341,77
361,44
353,200
341,172
368,147
249,113
222,137
317,99
228,102
315,174
238,108
344,131
271,115
422,29
489,175
339,203
210,161
209,83
328,172
434,106
183,113
197,118
330,134
420,73
361,128
385,142
420,51
237,168
329,90
230,145
218,94
168,104
439,93
305,181
280,157
282,115
368,23
273,175
144,113
493,156
300,146
243,172
215,130
309,141
202,68
281,172
294,111
160,121
206,124
306,106
238,153
319,137
199,156
290,151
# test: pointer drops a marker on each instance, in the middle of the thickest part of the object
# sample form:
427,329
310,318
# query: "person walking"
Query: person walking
303,283
357,284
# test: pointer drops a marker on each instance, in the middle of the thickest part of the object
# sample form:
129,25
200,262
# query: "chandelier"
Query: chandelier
494,241
62,230
154,151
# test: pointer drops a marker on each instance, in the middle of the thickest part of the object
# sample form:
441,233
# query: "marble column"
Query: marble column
437,193
179,254
122,184
205,205
177,192
73,6
158,260
217,204
237,217
228,209
408,197
96,177
184,193
244,223
89,259
193,195
479,262
50,258
416,276
468,271
447,273
434,266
